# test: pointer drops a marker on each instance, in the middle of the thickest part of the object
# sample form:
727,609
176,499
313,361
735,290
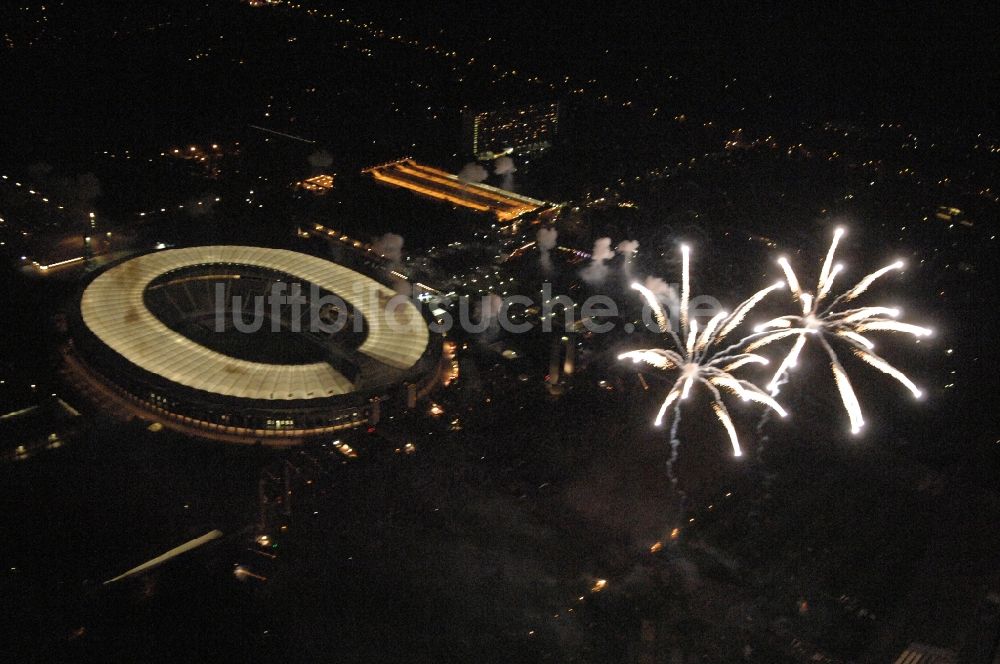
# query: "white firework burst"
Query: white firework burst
825,323
696,359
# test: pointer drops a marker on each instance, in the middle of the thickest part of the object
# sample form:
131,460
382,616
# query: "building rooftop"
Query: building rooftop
441,185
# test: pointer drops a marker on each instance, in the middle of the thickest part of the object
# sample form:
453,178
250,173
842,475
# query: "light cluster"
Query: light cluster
695,357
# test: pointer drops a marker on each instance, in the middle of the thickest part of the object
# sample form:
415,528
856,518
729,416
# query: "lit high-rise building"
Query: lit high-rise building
523,130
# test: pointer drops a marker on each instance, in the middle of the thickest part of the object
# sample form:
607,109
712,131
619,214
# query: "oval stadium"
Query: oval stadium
248,344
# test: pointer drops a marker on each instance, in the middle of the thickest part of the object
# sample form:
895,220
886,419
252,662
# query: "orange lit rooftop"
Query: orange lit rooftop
443,186
317,184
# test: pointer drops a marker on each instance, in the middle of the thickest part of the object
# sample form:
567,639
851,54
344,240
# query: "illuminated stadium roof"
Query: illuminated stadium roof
114,310
441,185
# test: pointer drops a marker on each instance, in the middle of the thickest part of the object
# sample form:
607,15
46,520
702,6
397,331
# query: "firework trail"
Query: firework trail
832,323
693,361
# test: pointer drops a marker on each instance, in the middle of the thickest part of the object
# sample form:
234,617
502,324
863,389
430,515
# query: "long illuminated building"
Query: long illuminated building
443,186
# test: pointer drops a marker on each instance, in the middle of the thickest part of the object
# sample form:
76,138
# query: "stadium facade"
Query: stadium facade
169,336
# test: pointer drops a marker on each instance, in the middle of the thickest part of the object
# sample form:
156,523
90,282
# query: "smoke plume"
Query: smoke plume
504,167
472,173
321,160
390,246
597,270
627,248
200,206
546,242
665,293
489,308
